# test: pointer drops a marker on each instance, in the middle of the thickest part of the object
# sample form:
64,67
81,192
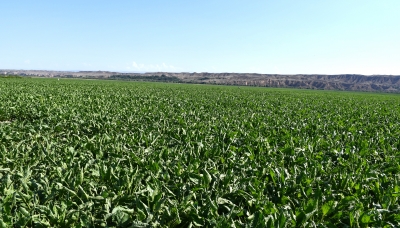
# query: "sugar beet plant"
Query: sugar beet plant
77,153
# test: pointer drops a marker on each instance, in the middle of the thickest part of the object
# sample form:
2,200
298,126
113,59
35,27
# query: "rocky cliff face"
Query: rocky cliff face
353,82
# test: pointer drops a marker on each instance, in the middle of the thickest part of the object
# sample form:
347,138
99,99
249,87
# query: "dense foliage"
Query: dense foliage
83,153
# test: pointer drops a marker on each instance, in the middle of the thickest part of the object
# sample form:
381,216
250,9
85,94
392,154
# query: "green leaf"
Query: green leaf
366,219
327,207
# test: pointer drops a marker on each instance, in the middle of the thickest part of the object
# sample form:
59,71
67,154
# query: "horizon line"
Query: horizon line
191,72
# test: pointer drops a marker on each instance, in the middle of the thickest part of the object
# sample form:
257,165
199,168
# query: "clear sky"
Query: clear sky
269,36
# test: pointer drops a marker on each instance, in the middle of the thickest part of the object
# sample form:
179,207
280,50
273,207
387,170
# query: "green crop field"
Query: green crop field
86,153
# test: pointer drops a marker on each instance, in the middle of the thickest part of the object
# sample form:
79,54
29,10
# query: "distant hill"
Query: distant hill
353,82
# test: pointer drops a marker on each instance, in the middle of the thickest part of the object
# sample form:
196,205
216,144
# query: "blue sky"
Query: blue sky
269,36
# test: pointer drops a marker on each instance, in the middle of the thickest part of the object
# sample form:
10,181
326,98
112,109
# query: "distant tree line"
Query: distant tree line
154,78
11,76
